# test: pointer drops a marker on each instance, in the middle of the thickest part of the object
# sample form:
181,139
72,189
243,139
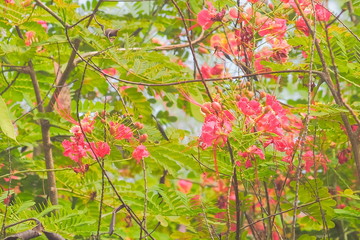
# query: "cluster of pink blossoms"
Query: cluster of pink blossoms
78,148
280,129
217,125
240,42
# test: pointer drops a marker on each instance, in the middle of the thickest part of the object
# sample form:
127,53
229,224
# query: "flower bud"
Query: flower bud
139,125
143,138
206,108
250,94
262,95
216,106
267,109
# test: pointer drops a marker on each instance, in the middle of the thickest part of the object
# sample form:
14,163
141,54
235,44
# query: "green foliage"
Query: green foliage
141,91
5,121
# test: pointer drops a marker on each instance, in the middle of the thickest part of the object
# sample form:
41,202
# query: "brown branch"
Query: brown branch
291,209
52,13
159,48
62,77
32,233
45,132
128,209
326,77
235,184
192,49
205,79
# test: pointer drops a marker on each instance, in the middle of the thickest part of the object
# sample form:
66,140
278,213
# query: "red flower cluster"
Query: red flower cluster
217,125
139,153
209,72
77,148
184,186
250,155
120,131
207,17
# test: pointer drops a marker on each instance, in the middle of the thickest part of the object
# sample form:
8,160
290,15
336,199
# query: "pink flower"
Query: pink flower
101,149
275,105
208,72
43,24
216,129
11,177
301,26
251,152
249,108
29,37
217,69
184,186
250,155
207,17
120,131
75,149
269,123
83,168
110,71
139,153
276,27
263,55
311,159
344,156
205,71
87,124
322,14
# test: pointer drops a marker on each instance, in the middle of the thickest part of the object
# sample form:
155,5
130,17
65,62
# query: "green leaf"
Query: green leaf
25,206
5,122
306,237
162,220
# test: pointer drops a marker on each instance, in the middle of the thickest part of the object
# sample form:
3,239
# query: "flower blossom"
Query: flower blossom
184,186
249,108
344,156
311,160
120,131
43,24
29,37
301,26
101,149
76,148
276,27
110,71
208,72
217,125
207,17
139,153
250,155
322,14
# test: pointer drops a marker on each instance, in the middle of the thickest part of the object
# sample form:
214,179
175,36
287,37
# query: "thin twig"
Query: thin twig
45,132
192,49
52,13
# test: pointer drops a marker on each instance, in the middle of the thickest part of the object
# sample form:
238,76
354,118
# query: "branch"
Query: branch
326,77
291,209
32,233
192,49
45,132
62,77
46,8
159,48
